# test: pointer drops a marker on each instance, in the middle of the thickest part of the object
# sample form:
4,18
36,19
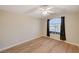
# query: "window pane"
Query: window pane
54,25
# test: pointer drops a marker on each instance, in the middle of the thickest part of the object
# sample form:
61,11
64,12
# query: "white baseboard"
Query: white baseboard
72,43
2,49
29,40
68,42
64,41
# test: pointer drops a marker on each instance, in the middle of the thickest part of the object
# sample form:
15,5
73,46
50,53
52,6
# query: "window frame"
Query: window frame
54,32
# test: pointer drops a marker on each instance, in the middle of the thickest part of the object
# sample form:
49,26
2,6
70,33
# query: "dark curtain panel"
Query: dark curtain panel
62,31
48,33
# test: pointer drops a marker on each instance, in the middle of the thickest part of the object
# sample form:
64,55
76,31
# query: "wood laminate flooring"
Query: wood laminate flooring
43,45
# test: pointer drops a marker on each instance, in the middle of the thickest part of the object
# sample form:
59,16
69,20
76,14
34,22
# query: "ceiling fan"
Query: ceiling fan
46,10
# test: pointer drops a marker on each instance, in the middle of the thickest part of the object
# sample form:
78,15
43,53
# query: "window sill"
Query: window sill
55,33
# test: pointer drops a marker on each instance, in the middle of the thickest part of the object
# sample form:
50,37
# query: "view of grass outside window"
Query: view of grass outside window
54,25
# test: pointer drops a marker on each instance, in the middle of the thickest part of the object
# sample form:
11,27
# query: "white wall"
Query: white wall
16,28
71,24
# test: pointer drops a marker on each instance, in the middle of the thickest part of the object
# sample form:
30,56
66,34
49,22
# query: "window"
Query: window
54,25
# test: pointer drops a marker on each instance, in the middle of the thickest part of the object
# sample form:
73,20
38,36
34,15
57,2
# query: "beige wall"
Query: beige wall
72,32
16,28
72,27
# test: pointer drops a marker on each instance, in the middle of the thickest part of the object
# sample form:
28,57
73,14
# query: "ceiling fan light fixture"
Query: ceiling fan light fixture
46,11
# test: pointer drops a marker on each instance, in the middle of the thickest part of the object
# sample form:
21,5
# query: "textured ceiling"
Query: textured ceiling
33,10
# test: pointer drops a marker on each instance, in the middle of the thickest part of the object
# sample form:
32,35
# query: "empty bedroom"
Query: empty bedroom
39,28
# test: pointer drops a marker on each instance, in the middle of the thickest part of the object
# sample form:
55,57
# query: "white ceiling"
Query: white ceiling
33,10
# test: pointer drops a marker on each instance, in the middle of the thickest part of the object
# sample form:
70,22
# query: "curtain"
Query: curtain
62,30
48,33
